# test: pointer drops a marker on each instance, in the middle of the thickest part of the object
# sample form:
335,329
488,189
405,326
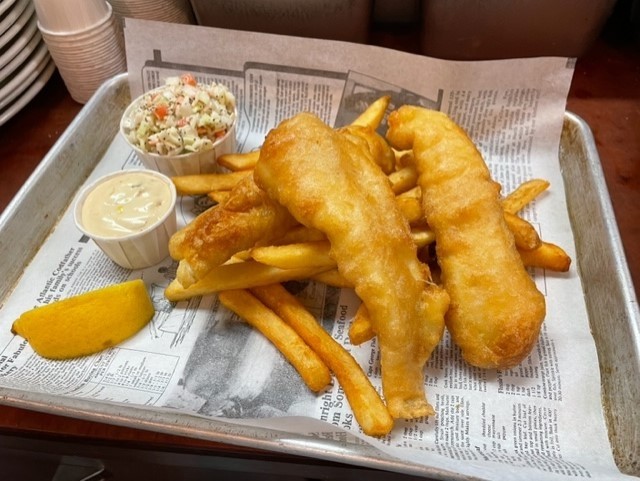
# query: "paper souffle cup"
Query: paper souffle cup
140,249
203,162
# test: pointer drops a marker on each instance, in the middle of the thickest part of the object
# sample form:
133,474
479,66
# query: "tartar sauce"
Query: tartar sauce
125,204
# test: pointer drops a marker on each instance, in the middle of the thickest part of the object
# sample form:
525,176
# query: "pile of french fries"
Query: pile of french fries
250,282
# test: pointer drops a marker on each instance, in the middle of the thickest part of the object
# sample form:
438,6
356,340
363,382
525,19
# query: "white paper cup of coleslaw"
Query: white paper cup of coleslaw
190,163
204,162
130,215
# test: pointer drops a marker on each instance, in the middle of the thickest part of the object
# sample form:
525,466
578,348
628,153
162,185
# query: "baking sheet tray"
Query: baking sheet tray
610,297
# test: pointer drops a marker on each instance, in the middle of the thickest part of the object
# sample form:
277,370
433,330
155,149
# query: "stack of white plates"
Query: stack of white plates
172,11
25,63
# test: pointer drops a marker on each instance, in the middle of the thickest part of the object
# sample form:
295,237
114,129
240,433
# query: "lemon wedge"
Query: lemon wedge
87,323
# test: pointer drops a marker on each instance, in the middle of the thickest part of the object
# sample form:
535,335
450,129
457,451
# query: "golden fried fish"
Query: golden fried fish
329,180
246,217
496,310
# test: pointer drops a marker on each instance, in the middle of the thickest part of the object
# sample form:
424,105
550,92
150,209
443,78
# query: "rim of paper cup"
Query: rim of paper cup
73,33
137,100
77,213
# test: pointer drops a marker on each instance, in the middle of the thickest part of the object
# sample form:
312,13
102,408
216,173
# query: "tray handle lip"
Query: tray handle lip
623,455
609,216
217,430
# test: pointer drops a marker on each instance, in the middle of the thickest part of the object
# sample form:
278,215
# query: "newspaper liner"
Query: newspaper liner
197,358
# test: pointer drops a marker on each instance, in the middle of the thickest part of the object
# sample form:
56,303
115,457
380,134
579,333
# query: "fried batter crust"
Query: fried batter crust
329,181
496,310
247,217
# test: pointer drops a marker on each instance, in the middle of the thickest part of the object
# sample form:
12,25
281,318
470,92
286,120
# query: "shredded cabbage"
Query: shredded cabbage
183,116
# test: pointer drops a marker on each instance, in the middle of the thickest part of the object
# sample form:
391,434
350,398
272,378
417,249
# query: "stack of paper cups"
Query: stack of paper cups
86,43
172,11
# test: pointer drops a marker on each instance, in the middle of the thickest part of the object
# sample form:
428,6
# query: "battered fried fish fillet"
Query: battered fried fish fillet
247,217
329,181
496,311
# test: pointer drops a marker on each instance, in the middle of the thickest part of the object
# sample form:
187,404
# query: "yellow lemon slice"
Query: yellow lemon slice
87,323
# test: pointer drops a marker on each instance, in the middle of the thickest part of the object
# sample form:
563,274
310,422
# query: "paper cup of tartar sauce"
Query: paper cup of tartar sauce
130,215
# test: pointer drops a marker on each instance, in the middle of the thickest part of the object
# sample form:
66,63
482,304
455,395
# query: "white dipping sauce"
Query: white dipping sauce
125,204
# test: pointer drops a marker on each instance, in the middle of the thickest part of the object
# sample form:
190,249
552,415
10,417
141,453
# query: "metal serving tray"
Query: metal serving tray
609,293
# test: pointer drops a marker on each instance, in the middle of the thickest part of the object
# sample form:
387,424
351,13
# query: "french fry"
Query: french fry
309,365
524,234
547,256
524,194
239,161
368,408
403,179
404,158
411,209
332,278
241,256
240,275
315,254
360,330
291,256
200,184
373,115
218,195
422,236
300,233
414,192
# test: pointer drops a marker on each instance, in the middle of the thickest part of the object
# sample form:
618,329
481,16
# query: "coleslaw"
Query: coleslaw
181,117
